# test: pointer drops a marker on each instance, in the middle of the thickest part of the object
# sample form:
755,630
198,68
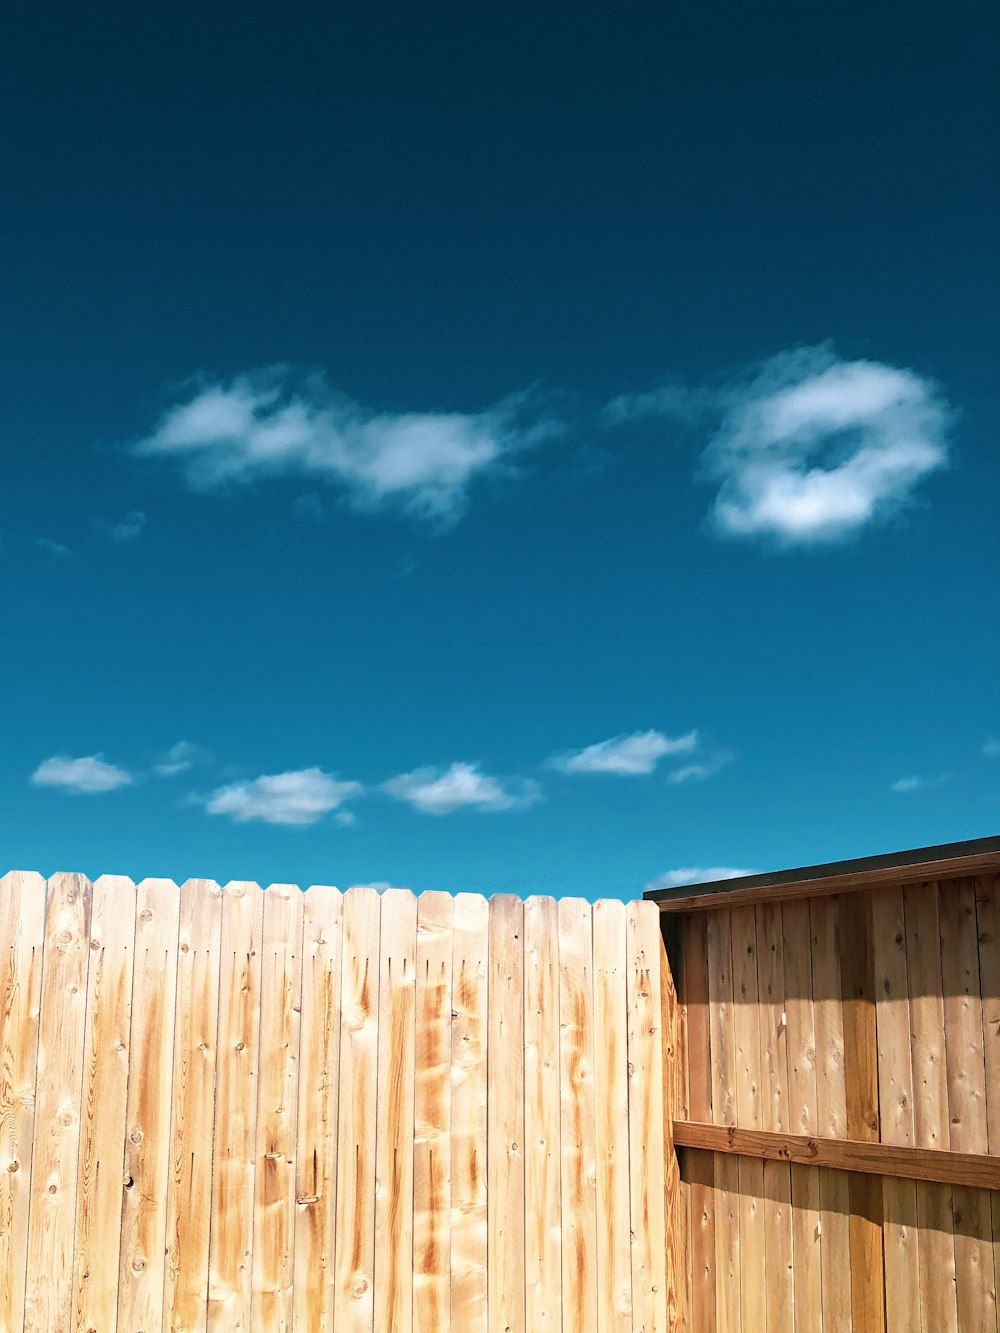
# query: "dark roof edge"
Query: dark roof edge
863,865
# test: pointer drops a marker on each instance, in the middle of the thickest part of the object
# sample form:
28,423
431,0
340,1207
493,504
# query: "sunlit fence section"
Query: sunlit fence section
236,1108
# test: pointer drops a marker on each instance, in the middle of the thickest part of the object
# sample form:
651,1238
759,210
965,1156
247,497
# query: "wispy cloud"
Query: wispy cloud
810,448
267,424
636,753
436,791
917,783
991,747
300,797
179,758
84,776
56,551
816,448
672,879
127,529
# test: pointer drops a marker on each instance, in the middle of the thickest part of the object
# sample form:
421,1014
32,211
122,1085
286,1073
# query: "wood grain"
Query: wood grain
277,1102
141,1268
614,1263
58,1092
505,1102
542,1149
938,1308
396,1209
358,1118
105,1100
578,1115
895,1075
235,1135
319,1094
189,1187
431,1145
469,1093
22,930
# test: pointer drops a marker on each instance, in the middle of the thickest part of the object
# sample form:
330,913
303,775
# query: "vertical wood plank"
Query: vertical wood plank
614,1261
22,930
469,1232
396,1209
505,1165
578,1115
645,1053
277,1100
747,1013
800,1038
59,1085
966,1066
358,1113
231,1239
775,1113
938,1309
988,920
726,1168
105,1101
699,1168
189,1188
674,1199
861,1083
432,1148
543,1216
831,1102
141,1265
319,1088
892,1009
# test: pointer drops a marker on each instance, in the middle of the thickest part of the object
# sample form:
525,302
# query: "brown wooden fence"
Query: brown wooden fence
838,1094
268,1110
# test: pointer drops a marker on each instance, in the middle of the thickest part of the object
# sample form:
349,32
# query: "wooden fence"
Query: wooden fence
268,1110
838,1093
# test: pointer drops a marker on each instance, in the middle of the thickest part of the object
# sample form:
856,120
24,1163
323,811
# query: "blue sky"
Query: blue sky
550,450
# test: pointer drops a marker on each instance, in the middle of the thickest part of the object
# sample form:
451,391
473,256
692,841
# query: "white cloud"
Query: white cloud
916,783
129,528
54,550
88,774
263,425
436,791
815,448
632,754
991,747
300,797
178,759
672,879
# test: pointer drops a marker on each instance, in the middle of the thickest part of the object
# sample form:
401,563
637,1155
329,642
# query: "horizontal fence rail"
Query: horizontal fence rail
235,1108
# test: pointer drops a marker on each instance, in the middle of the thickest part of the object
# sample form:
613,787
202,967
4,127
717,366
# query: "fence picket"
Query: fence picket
189,1187
22,929
966,1066
394,1138
614,1261
277,1099
231,1238
505,1103
469,1092
104,1102
938,1310
542,1204
431,1148
319,1090
48,1301
358,1118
